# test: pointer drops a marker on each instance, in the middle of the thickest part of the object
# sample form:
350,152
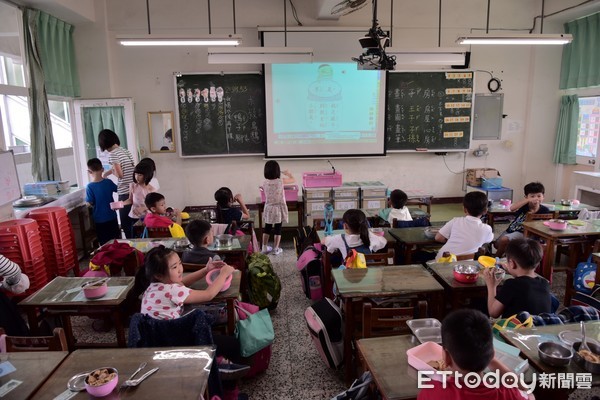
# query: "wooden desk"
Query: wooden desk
33,368
527,340
297,206
420,200
456,292
183,373
386,358
354,285
229,296
412,239
55,298
586,233
565,212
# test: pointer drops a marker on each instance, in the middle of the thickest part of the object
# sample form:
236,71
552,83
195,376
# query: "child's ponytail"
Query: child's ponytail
357,223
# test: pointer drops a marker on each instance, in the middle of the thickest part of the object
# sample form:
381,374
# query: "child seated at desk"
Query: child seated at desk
357,236
396,208
199,233
157,216
468,348
226,213
527,291
531,204
464,235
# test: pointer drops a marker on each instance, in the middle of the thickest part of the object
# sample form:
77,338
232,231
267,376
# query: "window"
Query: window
589,129
14,111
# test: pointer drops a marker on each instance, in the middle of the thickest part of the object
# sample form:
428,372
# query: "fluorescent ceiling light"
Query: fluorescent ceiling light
432,56
168,40
259,55
530,39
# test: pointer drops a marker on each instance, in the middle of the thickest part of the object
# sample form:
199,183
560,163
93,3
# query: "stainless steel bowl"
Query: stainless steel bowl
555,354
589,366
224,240
431,232
467,269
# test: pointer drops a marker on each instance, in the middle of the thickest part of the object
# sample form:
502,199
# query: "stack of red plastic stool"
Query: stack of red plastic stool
21,242
58,239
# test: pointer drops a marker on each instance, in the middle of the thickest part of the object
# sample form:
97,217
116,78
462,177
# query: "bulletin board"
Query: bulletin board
221,114
429,110
10,190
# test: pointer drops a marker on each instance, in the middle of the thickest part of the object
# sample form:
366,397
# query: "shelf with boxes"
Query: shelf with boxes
349,195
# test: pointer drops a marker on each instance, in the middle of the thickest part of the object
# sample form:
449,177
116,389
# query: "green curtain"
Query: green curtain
97,118
57,52
44,164
568,131
581,58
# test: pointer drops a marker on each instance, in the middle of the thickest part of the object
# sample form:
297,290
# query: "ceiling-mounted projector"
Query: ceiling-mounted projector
373,45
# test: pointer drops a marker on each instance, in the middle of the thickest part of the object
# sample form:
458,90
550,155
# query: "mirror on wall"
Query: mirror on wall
160,128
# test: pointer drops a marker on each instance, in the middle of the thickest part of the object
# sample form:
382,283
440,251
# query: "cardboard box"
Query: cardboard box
474,175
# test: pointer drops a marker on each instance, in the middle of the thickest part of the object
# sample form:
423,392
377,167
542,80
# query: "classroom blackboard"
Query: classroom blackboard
429,110
221,114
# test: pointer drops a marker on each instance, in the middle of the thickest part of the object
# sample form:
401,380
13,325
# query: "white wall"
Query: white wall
529,81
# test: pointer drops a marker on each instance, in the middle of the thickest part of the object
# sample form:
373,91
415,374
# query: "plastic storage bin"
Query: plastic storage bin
345,204
373,204
317,194
319,179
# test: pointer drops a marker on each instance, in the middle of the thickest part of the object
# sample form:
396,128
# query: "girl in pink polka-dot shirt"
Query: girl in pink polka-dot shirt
168,291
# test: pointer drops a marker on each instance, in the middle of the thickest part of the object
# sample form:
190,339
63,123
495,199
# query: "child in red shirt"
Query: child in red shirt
157,218
468,348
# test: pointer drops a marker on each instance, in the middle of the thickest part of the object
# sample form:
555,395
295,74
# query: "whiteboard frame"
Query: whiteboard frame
472,113
16,175
177,118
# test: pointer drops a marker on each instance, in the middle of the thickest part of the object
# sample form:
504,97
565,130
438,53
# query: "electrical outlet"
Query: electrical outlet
479,153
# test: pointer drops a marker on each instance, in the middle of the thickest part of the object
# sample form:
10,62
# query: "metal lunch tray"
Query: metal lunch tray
426,329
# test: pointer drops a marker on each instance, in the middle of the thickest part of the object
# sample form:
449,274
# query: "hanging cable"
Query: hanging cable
542,20
391,20
234,28
209,21
558,12
148,16
440,24
295,13
487,24
285,23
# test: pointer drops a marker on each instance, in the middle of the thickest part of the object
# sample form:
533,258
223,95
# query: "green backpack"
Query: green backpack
264,284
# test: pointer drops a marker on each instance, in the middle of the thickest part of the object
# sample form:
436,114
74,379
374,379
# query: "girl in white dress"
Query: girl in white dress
276,211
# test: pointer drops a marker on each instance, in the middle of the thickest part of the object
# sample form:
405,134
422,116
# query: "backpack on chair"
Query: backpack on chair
310,267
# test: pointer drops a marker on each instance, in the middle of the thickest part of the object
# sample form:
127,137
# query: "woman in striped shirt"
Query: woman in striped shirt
122,164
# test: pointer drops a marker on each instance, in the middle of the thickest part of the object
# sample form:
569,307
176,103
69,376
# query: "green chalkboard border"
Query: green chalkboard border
216,74
391,149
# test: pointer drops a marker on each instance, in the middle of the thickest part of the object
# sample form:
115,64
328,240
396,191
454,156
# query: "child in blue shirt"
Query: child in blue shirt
99,195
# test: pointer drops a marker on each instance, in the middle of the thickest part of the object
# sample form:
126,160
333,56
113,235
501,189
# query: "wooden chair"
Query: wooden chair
537,217
389,321
57,342
190,267
465,257
159,233
380,259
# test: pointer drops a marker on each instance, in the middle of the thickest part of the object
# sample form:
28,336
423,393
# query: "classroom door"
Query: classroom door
91,116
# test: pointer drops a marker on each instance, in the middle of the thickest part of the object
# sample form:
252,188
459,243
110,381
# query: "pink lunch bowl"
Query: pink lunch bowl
106,388
95,291
212,276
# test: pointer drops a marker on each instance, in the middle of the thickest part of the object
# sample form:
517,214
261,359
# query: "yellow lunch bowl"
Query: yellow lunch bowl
487,261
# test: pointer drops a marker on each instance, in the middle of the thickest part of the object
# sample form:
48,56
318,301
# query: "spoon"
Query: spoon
583,345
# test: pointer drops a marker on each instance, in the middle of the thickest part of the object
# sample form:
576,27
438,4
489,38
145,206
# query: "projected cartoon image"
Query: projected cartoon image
324,105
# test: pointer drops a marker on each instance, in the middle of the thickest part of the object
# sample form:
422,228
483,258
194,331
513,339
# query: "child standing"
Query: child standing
357,236
142,175
464,235
152,164
527,292
397,208
157,216
531,204
200,235
164,270
276,211
99,195
468,348
226,213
